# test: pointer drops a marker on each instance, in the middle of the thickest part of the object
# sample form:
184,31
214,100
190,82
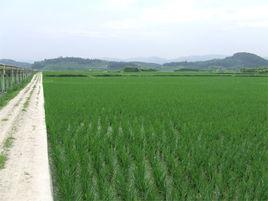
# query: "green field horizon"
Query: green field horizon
157,137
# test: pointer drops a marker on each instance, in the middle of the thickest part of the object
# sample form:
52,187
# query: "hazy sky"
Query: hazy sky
37,29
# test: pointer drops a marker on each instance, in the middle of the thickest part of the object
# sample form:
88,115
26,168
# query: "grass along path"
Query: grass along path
11,93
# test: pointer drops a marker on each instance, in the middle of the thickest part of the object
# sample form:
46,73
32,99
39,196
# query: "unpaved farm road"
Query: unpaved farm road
25,176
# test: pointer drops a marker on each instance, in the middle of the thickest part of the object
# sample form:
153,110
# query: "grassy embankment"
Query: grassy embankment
12,92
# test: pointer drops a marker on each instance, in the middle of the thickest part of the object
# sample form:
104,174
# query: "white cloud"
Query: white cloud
176,12
251,16
119,4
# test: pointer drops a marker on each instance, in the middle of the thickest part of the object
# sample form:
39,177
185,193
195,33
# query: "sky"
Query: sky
37,29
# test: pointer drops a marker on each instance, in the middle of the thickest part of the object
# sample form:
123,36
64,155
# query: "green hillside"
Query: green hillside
238,60
74,63
69,63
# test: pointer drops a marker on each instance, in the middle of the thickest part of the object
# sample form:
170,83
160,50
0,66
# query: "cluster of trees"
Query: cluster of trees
74,63
70,63
122,65
254,70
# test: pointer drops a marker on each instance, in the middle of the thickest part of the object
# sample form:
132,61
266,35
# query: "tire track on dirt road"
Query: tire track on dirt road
11,111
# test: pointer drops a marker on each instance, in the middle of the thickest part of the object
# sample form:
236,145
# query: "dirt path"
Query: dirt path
23,140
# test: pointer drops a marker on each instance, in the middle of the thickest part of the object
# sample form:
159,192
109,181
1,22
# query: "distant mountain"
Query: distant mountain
198,58
157,60
111,59
15,63
75,63
238,60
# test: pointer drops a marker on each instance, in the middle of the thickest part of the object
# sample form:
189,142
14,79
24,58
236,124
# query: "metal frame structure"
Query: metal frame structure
11,76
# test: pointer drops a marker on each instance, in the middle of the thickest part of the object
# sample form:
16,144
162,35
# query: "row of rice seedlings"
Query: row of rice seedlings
115,139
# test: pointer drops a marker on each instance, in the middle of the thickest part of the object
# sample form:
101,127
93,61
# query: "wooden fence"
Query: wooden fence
11,76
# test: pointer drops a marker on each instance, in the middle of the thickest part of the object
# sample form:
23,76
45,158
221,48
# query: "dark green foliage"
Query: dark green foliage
254,70
132,70
148,70
187,69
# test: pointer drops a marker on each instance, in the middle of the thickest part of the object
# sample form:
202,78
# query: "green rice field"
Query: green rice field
158,137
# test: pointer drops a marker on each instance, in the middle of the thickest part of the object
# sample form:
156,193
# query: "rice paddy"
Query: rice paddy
158,138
